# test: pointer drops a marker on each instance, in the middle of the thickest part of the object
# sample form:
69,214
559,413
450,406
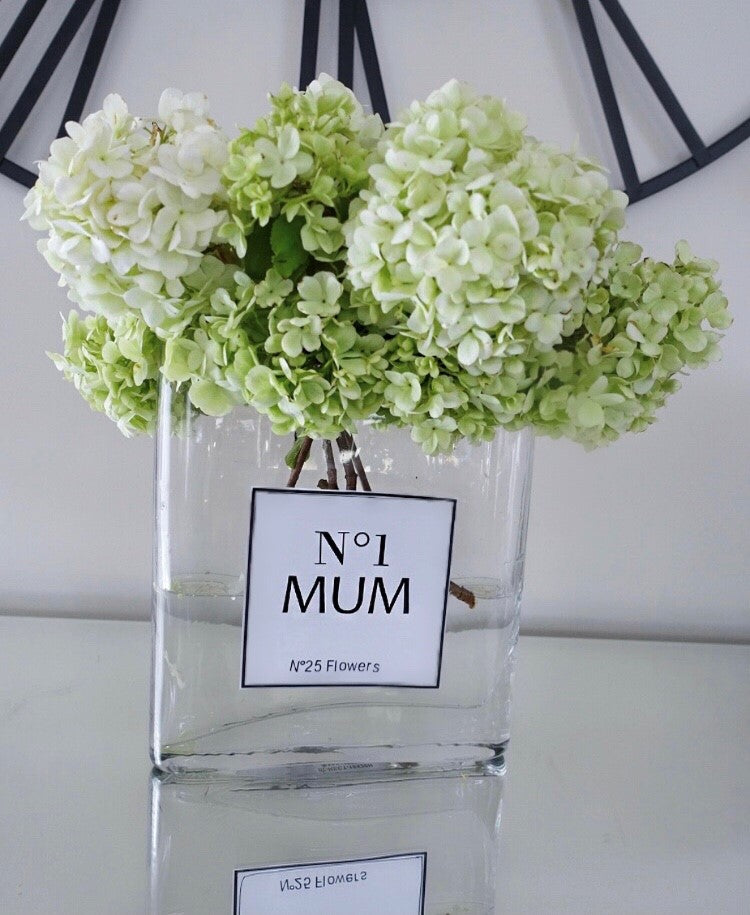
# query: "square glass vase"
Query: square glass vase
302,632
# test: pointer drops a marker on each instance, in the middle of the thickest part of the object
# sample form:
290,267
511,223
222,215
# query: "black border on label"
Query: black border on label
236,889
343,494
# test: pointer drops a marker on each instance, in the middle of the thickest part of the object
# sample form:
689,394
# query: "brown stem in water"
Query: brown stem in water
302,456
463,594
344,441
359,467
332,481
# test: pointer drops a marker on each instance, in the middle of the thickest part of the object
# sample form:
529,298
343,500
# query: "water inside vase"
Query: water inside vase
204,720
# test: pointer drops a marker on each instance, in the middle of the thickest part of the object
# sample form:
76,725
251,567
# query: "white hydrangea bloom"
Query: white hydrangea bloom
476,234
130,206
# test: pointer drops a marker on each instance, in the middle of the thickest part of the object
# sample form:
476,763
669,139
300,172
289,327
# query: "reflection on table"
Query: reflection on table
403,846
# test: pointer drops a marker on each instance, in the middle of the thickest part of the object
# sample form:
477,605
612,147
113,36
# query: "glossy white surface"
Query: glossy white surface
628,788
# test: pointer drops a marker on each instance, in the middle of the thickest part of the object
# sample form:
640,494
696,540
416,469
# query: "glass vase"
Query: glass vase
301,631
406,847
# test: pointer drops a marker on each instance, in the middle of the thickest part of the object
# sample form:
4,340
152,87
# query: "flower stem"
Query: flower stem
464,594
332,481
345,443
360,467
302,456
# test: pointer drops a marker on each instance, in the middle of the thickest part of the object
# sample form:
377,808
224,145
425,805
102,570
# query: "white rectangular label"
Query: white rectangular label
346,589
370,886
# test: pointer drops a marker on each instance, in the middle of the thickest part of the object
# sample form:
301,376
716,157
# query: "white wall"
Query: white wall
646,537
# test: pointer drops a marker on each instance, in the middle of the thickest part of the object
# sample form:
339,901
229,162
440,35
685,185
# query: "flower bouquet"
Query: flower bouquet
439,288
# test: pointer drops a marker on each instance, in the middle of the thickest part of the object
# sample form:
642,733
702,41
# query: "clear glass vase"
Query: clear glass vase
405,847
301,632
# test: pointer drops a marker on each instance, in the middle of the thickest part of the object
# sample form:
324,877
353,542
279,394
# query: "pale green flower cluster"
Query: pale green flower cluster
130,206
475,238
282,333
115,365
644,325
450,275
292,350
306,161
640,327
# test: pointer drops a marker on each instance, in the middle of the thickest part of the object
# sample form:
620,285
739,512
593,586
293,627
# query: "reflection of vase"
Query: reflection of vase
448,633
437,837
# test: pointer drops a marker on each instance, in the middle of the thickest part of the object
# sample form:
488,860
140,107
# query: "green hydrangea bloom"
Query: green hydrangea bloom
304,360
115,367
474,236
307,159
284,334
643,325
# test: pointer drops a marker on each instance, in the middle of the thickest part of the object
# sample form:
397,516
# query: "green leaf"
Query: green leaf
259,257
288,251
291,458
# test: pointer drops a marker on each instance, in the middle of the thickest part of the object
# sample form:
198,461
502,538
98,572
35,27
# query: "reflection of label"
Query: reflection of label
346,589
369,886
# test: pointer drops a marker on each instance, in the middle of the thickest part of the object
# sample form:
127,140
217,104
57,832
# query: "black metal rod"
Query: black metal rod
346,42
17,173
310,34
656,80
370,60
727,143
42,74
689,167
90,63
607,95
18,31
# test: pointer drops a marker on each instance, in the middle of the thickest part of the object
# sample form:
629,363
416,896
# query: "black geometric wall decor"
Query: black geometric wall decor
47,66
354,22
700,154
354,19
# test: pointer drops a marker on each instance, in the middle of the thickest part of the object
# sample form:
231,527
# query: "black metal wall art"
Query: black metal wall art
47,66
700,154
354,19
354,22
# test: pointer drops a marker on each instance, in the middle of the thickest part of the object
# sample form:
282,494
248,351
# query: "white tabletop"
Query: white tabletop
628,787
